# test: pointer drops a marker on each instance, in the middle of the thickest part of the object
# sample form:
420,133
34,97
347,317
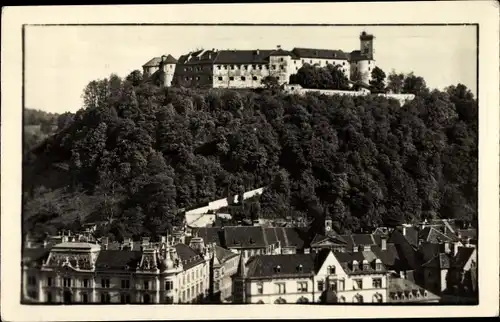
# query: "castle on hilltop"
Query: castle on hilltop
247,68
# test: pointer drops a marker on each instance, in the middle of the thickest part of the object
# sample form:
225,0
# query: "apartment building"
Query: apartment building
320,277
78,272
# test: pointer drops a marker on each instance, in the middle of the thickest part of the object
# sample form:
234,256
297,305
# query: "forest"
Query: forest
137,154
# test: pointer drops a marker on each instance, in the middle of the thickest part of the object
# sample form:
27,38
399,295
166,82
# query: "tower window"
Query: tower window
220,78
231,78
281,59
243,78
254,78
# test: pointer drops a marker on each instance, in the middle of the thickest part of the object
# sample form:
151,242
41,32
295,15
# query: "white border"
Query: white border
483,12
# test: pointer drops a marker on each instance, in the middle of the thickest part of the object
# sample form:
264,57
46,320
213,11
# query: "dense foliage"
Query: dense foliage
137,154
313,76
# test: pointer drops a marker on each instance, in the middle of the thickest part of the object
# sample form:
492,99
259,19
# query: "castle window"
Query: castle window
274,66
343,63
218,67
85,282
331,270
281,59
253,66
220,78
146,299
231,78
311,61
49,297
282,67
254,78
366,266
320,286
277,269
146,285
49,281
243,78
232,66
85,298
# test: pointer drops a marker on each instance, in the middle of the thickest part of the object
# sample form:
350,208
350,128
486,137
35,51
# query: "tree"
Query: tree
395,82
414,85
270,83
378,80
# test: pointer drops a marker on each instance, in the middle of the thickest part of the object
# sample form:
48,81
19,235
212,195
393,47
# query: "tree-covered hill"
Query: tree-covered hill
138,153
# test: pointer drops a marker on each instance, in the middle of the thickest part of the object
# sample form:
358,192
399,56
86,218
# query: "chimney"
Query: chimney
383,242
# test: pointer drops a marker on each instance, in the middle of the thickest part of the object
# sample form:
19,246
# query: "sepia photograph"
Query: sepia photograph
201,164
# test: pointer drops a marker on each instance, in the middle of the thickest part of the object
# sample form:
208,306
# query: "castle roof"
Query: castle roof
243,56
319,53
170,59
154,62
188,256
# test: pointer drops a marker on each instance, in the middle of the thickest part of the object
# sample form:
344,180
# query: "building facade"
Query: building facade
77,272
247,68
310,278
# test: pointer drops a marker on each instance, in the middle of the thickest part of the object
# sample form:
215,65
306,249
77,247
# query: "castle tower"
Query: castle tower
167,66
366,63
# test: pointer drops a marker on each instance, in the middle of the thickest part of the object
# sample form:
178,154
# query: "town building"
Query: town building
247,68
320,277
79,272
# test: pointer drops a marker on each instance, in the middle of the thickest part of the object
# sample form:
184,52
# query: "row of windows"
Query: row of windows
333,285
104,297
356,299
105,283
192,292
222,78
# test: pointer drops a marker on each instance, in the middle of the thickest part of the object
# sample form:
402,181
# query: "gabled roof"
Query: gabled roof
154,62
408,258
319,53
433,235
170,59
462,257
223,254
291,265
121,260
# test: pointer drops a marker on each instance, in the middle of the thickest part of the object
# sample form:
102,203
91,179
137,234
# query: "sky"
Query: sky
62,60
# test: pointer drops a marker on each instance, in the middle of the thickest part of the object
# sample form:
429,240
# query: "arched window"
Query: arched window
280,301
302,300
358,298
377,298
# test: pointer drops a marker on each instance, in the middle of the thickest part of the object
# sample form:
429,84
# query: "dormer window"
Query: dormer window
378,264
277,269
300,268
366,265
355,266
